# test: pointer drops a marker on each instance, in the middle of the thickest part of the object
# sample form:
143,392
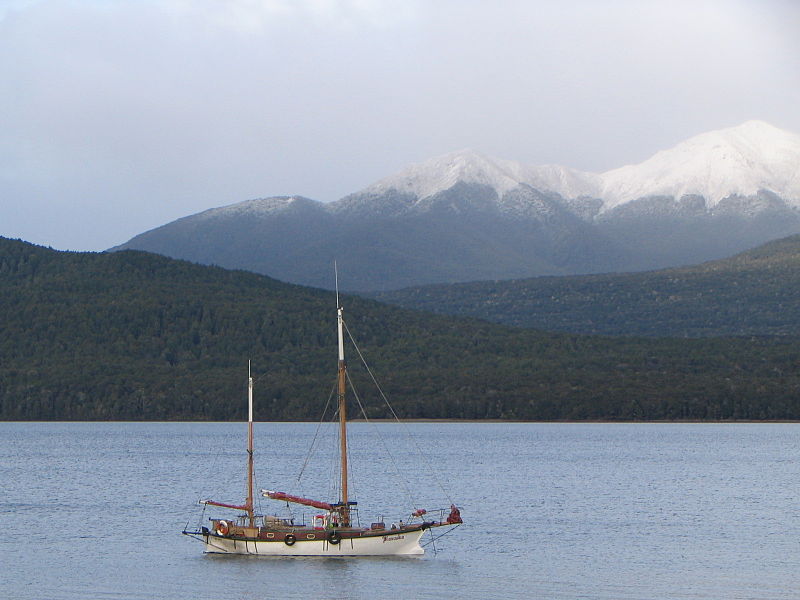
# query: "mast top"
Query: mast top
336,278
339,317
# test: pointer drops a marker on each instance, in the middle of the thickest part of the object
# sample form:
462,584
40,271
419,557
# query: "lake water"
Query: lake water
578,511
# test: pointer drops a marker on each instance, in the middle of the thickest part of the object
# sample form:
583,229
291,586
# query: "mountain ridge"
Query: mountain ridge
751,293
464,216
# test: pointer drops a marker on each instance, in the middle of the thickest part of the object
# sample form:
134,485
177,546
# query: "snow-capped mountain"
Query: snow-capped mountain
429,178
465,216
442,173
274,205
739,161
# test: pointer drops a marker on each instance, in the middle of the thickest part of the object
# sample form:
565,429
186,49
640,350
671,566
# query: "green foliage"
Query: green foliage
131,335
753,293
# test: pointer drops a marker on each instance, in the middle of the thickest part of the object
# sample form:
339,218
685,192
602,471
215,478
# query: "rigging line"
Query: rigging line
433,541
316,433
385,445
430,466
257,496
202,515
438,537
352,476
221,486
260,377
334,482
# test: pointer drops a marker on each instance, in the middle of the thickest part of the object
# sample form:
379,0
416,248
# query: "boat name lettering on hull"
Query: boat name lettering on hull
393,538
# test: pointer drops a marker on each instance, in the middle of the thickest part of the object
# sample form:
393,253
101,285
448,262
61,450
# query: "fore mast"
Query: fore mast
249,502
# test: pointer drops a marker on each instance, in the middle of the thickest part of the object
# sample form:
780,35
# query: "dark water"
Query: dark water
552,511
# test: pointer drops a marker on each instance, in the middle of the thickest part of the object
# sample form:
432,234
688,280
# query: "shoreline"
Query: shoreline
478,421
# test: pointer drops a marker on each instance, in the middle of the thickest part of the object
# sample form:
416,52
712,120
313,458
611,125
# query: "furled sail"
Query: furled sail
296,499
223,505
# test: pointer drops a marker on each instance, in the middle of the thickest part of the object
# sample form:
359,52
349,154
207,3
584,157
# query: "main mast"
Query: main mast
345,507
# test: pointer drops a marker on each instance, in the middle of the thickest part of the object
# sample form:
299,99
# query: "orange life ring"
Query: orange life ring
222,528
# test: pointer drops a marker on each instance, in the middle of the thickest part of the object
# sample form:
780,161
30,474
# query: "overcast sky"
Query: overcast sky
117,116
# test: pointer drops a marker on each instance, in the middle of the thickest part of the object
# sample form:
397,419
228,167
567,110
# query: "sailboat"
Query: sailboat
334,530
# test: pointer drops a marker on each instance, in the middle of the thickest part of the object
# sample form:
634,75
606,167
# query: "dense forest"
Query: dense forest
753,293
130,335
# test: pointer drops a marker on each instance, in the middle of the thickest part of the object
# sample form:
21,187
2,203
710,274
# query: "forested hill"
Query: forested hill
131,335
753,293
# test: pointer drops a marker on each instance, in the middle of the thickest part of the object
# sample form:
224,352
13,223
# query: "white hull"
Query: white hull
406,543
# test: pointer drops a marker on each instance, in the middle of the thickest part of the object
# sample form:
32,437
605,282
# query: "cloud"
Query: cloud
160,108
255,16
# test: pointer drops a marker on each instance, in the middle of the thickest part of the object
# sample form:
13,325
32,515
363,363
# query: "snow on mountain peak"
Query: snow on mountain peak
569,183
254,207
739,160
466,166
443,172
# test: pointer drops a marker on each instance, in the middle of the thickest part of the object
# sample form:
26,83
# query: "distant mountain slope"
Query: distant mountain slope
753,293
460,235
466,217
131,335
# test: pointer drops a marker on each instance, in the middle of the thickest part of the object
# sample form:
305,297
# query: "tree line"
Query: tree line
753,293
135,336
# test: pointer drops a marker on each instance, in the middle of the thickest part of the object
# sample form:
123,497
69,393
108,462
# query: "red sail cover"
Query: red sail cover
223,505
298,500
